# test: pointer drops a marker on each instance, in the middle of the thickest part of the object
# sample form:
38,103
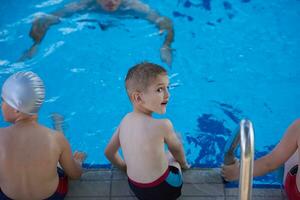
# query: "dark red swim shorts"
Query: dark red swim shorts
290,185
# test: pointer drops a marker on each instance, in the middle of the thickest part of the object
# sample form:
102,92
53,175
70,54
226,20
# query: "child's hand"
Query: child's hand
79,157
185,166
231,172
124,168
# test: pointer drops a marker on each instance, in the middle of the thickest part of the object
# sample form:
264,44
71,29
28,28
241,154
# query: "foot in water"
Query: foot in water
58,122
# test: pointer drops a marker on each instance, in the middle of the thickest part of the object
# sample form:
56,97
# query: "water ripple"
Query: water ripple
48,3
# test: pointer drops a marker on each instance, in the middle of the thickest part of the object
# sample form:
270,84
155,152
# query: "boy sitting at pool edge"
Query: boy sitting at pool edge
152,173
29,152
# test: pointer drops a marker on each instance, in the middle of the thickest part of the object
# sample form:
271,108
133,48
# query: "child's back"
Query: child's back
142,143
29,158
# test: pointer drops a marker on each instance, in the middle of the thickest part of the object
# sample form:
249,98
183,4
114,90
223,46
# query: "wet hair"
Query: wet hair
140,76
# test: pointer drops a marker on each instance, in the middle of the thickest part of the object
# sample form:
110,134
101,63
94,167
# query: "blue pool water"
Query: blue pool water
232,59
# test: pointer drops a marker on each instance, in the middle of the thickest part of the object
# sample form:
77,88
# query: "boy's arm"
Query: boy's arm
174,144
71,164
162,22
278,156
111,152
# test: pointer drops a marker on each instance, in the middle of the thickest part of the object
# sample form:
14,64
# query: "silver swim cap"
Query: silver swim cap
24,91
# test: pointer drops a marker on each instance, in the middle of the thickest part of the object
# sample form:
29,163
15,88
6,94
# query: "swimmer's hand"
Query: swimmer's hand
231,172
166,54
165,25
41,25
79,157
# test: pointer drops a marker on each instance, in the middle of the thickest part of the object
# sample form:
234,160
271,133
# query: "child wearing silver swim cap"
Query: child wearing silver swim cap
30,152
24,91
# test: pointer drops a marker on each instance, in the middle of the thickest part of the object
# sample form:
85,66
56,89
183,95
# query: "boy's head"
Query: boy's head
109,5
147,87
23,92
140,76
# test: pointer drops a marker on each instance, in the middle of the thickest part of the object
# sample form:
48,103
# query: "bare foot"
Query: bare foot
57,121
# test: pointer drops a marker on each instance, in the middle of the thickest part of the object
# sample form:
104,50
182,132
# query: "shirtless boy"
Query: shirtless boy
30,152
152,172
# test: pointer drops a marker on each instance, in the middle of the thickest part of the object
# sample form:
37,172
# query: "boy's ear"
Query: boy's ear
17,113
136,97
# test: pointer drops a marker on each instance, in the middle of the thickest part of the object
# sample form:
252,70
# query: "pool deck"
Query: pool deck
199,184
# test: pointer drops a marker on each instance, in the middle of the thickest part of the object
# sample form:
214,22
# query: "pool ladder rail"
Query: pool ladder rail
244,136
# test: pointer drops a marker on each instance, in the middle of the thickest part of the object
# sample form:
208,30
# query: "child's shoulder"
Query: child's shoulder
127,117
51,133
45,129
164,124
297,122
4,131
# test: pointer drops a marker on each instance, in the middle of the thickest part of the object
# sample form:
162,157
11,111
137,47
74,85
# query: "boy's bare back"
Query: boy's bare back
142,140
29,156
141,137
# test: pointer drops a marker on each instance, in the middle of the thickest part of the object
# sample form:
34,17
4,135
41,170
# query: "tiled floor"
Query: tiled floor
199,184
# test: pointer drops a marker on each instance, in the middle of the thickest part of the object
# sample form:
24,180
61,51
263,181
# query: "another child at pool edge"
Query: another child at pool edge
152,173
29,152
285,152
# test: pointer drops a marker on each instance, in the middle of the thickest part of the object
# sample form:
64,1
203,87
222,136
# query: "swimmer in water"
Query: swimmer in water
121,8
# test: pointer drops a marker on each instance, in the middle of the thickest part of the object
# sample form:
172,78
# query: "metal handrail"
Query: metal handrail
245,137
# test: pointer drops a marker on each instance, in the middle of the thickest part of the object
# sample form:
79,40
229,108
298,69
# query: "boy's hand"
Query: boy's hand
185,166
231,172
79,157
124,168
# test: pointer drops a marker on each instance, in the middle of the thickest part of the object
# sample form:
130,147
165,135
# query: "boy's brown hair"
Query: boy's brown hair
140,76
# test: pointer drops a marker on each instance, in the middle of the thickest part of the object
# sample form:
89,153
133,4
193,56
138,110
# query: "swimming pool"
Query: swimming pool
232,59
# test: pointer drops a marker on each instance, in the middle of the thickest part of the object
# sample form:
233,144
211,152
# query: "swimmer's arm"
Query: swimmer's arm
174,144
71,164
73,8
42,23
163,24
111,152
